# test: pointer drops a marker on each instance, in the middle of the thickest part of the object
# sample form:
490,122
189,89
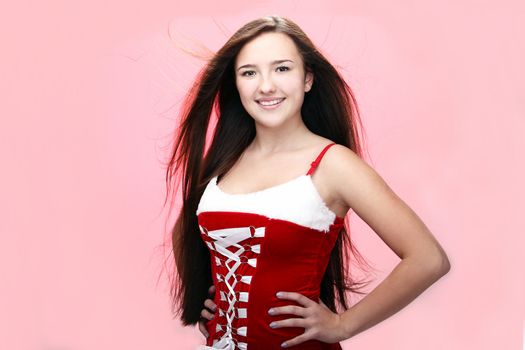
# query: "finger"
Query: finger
211,289
289,309
202,328
206,314
210,304
297,340
290,322
301,299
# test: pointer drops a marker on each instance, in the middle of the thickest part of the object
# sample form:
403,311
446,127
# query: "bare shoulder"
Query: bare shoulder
351,180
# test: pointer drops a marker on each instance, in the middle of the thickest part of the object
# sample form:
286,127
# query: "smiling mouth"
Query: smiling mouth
269,103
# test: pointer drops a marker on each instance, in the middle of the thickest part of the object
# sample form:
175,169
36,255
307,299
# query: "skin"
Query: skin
343,180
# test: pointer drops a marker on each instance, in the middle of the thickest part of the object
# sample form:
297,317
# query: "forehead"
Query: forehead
267,47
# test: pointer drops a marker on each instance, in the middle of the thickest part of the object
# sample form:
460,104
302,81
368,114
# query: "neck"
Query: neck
290,136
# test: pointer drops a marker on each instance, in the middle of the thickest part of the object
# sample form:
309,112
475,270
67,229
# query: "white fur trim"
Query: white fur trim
297,201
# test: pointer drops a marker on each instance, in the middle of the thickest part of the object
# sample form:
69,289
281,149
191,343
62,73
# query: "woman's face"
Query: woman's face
271,80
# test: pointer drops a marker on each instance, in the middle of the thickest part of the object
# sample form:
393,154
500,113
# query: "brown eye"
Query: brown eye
247,71
285,68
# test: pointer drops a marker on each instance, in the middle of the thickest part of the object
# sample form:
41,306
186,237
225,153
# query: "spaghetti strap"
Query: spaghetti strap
316,162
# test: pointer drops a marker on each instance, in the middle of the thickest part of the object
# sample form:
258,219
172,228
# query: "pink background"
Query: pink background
90,92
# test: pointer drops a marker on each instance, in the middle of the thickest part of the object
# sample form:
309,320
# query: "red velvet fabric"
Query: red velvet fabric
290,258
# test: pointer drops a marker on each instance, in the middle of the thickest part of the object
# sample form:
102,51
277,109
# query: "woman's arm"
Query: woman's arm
358,186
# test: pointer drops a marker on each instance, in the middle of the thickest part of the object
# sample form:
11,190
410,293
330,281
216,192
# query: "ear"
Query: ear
308,81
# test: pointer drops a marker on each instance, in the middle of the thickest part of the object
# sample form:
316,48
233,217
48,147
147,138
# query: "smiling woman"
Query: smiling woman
262,226
272,84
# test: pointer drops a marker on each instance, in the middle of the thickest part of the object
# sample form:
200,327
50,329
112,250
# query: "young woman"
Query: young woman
263,209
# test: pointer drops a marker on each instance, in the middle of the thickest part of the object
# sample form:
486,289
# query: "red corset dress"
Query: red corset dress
277,239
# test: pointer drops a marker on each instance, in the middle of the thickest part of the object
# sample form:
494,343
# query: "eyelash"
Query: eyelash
248,71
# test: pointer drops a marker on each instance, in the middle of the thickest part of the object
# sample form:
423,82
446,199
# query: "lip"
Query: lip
270,99
277,105
266,99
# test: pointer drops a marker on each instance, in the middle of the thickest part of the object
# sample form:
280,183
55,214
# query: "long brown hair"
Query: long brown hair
329,110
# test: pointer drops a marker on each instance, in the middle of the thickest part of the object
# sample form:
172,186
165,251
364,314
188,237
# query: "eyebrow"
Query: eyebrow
273,63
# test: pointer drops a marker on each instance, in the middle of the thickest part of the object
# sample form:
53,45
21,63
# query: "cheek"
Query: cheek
292,86
245,89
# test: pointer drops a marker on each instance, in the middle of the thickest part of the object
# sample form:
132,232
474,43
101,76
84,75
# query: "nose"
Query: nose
266,84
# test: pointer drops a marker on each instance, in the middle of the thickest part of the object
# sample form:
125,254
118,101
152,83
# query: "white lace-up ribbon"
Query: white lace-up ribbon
223,241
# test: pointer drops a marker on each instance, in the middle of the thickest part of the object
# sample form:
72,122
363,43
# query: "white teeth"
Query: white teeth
271,103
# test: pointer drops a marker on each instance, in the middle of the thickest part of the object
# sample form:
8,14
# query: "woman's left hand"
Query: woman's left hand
317,319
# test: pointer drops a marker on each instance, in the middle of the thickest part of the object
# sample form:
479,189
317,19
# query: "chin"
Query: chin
270,123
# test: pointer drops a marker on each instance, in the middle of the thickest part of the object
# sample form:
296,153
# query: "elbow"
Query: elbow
435,264
445,264
441,265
